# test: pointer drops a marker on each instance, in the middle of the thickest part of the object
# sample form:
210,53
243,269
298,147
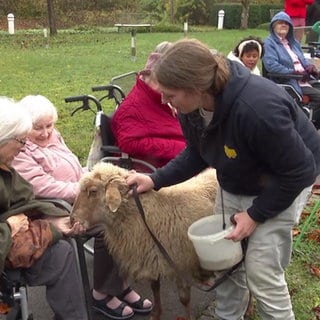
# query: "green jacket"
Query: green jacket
16,196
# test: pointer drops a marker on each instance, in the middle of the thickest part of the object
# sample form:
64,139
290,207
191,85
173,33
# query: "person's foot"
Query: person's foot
138,305
113,308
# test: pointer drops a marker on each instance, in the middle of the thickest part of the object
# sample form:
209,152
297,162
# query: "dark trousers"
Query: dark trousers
106,278
58,271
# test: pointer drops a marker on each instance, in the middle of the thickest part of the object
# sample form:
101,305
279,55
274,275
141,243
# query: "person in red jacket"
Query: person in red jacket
297,10
143,126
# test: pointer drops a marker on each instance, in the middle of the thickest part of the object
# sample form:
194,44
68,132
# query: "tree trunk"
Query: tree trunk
171,12
51,18
245,14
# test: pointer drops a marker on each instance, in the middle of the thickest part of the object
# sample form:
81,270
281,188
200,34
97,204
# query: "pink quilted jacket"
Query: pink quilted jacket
53,171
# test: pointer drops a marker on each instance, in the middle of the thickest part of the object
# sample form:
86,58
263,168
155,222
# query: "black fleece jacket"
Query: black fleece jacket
260,142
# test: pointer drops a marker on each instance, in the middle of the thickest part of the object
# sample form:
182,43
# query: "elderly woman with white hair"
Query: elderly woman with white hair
46,161
56,267
54,171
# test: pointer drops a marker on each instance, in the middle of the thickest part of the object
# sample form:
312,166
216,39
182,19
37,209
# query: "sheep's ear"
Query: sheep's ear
113,197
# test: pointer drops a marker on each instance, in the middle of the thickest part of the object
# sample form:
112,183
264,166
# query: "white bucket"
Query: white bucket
215,253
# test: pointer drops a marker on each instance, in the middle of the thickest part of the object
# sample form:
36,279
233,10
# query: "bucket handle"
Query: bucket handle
224,225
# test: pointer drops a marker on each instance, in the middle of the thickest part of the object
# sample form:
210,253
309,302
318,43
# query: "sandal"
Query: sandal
136,306
115,314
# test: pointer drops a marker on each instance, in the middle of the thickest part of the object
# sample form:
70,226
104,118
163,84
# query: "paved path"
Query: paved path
171,305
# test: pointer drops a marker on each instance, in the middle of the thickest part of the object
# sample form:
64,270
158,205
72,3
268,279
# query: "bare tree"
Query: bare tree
245,14
51,17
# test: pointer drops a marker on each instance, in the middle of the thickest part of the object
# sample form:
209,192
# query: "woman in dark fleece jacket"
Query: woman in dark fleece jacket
266,153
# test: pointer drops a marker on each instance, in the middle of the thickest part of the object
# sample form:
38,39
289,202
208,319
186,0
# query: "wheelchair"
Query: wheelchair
13,295
118,87
13,287
109,151
302,101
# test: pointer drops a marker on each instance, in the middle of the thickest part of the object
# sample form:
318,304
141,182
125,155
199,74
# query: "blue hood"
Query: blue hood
284,17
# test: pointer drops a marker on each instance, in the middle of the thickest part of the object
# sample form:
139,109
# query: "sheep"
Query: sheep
104,199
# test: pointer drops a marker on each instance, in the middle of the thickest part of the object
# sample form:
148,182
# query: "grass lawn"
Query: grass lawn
72,62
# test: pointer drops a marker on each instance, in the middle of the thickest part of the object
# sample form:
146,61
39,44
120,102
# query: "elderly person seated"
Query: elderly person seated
56,266
283,55
143,126
54,171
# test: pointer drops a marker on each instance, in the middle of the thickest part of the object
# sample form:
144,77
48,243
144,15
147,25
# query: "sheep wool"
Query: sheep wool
104,199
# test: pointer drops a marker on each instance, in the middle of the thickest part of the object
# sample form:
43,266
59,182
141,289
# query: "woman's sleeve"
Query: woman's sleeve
5,243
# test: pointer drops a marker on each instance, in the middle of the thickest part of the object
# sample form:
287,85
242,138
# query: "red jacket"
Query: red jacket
297,8
145,128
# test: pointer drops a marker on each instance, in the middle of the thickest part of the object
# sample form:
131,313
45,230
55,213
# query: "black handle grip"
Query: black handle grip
101,88
75,98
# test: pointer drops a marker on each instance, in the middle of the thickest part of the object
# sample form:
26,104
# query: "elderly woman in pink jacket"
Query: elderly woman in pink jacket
53,170
46,161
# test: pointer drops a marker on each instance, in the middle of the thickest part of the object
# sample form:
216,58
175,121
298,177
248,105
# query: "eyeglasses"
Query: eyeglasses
23,142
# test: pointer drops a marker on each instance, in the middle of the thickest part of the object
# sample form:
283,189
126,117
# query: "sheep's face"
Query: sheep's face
99,198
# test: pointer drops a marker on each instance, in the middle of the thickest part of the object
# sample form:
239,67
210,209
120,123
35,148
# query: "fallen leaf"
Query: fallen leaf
304,214
316,310
4,308
315,271
314,235
295,232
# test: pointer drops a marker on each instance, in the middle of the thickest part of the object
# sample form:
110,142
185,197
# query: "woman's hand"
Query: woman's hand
18,223
244,226
63,224
143,181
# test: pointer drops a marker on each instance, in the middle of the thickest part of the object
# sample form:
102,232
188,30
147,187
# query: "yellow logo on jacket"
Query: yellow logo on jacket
231,153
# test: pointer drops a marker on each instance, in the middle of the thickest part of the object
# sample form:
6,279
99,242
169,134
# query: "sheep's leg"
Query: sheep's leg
185,297
157,310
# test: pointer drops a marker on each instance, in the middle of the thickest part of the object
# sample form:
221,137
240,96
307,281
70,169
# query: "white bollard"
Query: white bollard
45,34
10,18
133,44
185,28
220,19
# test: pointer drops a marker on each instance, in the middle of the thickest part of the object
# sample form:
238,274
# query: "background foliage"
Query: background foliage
71,13
76,59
